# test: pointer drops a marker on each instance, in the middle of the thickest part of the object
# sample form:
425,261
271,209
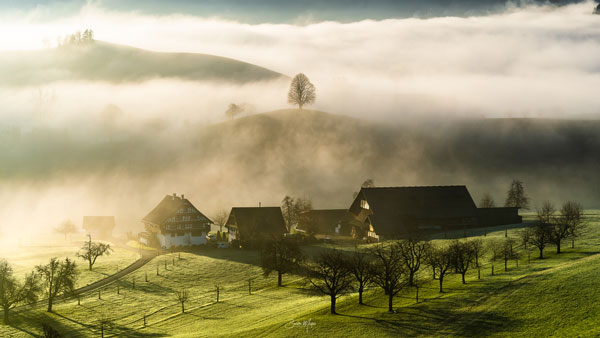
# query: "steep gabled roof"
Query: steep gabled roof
168,207
98,223
393,208
257,221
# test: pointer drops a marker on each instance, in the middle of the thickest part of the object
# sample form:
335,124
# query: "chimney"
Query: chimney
259,204
182,196
174,195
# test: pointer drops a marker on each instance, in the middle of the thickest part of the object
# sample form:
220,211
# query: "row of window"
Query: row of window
180,227
186,211
183,218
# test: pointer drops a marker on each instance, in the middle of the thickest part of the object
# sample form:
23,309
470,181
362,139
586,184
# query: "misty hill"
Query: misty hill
101,61
318,155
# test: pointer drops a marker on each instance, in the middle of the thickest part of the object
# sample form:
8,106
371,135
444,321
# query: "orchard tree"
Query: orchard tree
479,250
515,197
14,292
568,224
302,91
388,272
441,260
361,267
57,278
281,255
182,296
412,253
65,228
90,252
463,256
330,275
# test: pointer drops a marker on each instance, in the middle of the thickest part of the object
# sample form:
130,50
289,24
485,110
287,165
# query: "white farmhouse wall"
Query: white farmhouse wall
170,240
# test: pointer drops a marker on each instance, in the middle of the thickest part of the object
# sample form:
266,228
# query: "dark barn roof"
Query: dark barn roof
394,208
102,223
257,221
326,221
167,208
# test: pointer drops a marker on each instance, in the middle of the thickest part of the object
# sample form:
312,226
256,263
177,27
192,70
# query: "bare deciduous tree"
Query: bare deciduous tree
280,255
463,256
302,91
479,250
389,271
412,253
330,275
58,278
515,197
182,296
90,252
14,292
441,261
233,110
487,201
361,267
220,219
567,224
65,228
495,248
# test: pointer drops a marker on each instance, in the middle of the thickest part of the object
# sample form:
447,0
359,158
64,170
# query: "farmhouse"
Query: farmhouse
99,227
175,221
251,223
391,212
331,222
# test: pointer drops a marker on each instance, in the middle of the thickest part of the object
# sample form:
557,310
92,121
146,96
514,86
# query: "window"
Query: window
178,226
364,204
188,226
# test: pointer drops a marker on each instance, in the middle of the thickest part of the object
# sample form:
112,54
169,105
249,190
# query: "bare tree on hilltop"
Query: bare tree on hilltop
302,91
516,197
234,110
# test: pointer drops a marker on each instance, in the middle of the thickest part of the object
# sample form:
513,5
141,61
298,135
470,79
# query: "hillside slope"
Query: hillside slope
101,61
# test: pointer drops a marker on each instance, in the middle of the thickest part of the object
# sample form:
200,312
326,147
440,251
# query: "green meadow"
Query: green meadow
555,296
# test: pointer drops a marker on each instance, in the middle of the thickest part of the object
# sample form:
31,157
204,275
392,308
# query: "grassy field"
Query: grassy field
555,296
23,259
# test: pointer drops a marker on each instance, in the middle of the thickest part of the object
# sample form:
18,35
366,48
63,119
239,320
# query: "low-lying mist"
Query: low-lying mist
411,98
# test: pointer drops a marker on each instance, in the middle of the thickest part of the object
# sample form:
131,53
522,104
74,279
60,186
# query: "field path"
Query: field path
146,257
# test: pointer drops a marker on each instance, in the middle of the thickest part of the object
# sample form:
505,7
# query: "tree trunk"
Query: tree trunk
411,276
433,273
332,304
279,278
505,265
558,247
463,278
572,244
492,269
182,308
478,273
49,304
360,292
441,282
541,253
390,302
6,309
90,263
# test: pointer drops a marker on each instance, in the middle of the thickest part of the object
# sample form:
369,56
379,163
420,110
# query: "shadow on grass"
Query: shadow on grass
440,320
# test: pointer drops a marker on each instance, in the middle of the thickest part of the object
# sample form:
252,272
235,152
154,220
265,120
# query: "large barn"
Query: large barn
245,224
175,221
396,212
